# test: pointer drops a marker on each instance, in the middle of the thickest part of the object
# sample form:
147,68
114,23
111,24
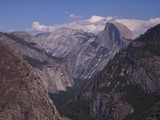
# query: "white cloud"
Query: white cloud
40,27
95,19
133,25
139,26
74,17
97,23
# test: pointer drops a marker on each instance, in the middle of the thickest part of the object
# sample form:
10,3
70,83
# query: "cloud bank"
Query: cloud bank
97,23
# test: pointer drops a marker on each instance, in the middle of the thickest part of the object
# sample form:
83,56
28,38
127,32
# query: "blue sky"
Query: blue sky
20,14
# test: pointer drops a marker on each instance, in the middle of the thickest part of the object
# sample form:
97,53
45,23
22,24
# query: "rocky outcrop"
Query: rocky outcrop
128,87
71,54
22,94
95,55
86,53
53,72
62,42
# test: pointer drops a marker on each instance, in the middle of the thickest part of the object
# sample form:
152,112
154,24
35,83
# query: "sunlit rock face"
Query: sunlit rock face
53,72
68,54
128,88
86,53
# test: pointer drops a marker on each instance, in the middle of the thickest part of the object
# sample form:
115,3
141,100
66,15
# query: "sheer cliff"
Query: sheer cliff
86,53
129,86
53,72
22,94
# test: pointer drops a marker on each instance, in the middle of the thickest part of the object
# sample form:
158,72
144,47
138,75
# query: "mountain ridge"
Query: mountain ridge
53,72
82,49
62,57
22,94
128,87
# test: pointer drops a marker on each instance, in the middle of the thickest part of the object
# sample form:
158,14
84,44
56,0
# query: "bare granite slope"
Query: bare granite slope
22,94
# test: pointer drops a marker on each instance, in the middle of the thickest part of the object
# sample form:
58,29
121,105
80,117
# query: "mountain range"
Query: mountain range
86,53
128,88
66,55
120,74
52,71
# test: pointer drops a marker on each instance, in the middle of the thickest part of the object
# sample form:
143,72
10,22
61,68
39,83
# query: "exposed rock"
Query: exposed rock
22,94
86,53
129,84
53,72
95,55
71,54
64,41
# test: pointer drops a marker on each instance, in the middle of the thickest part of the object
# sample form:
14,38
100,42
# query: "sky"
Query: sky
89,15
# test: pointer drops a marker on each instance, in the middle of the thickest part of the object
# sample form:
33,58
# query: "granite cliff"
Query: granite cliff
128,88
86,53
53,72
22,94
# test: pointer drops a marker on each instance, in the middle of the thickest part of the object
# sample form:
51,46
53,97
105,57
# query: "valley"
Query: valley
106,76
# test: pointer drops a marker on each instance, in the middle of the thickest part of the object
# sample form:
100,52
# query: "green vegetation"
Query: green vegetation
153,111
144,103
63,97
151,43
70,108
153,48
151,35
107,89
117,72
77,110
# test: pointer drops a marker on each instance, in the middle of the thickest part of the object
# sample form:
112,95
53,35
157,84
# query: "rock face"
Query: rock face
22,94
93,57
129,84
63,41
53,72
86,53
71,54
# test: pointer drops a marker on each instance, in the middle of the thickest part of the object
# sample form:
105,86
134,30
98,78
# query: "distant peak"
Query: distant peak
66,31
20,33
63,28
109,26
122,29
23,32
